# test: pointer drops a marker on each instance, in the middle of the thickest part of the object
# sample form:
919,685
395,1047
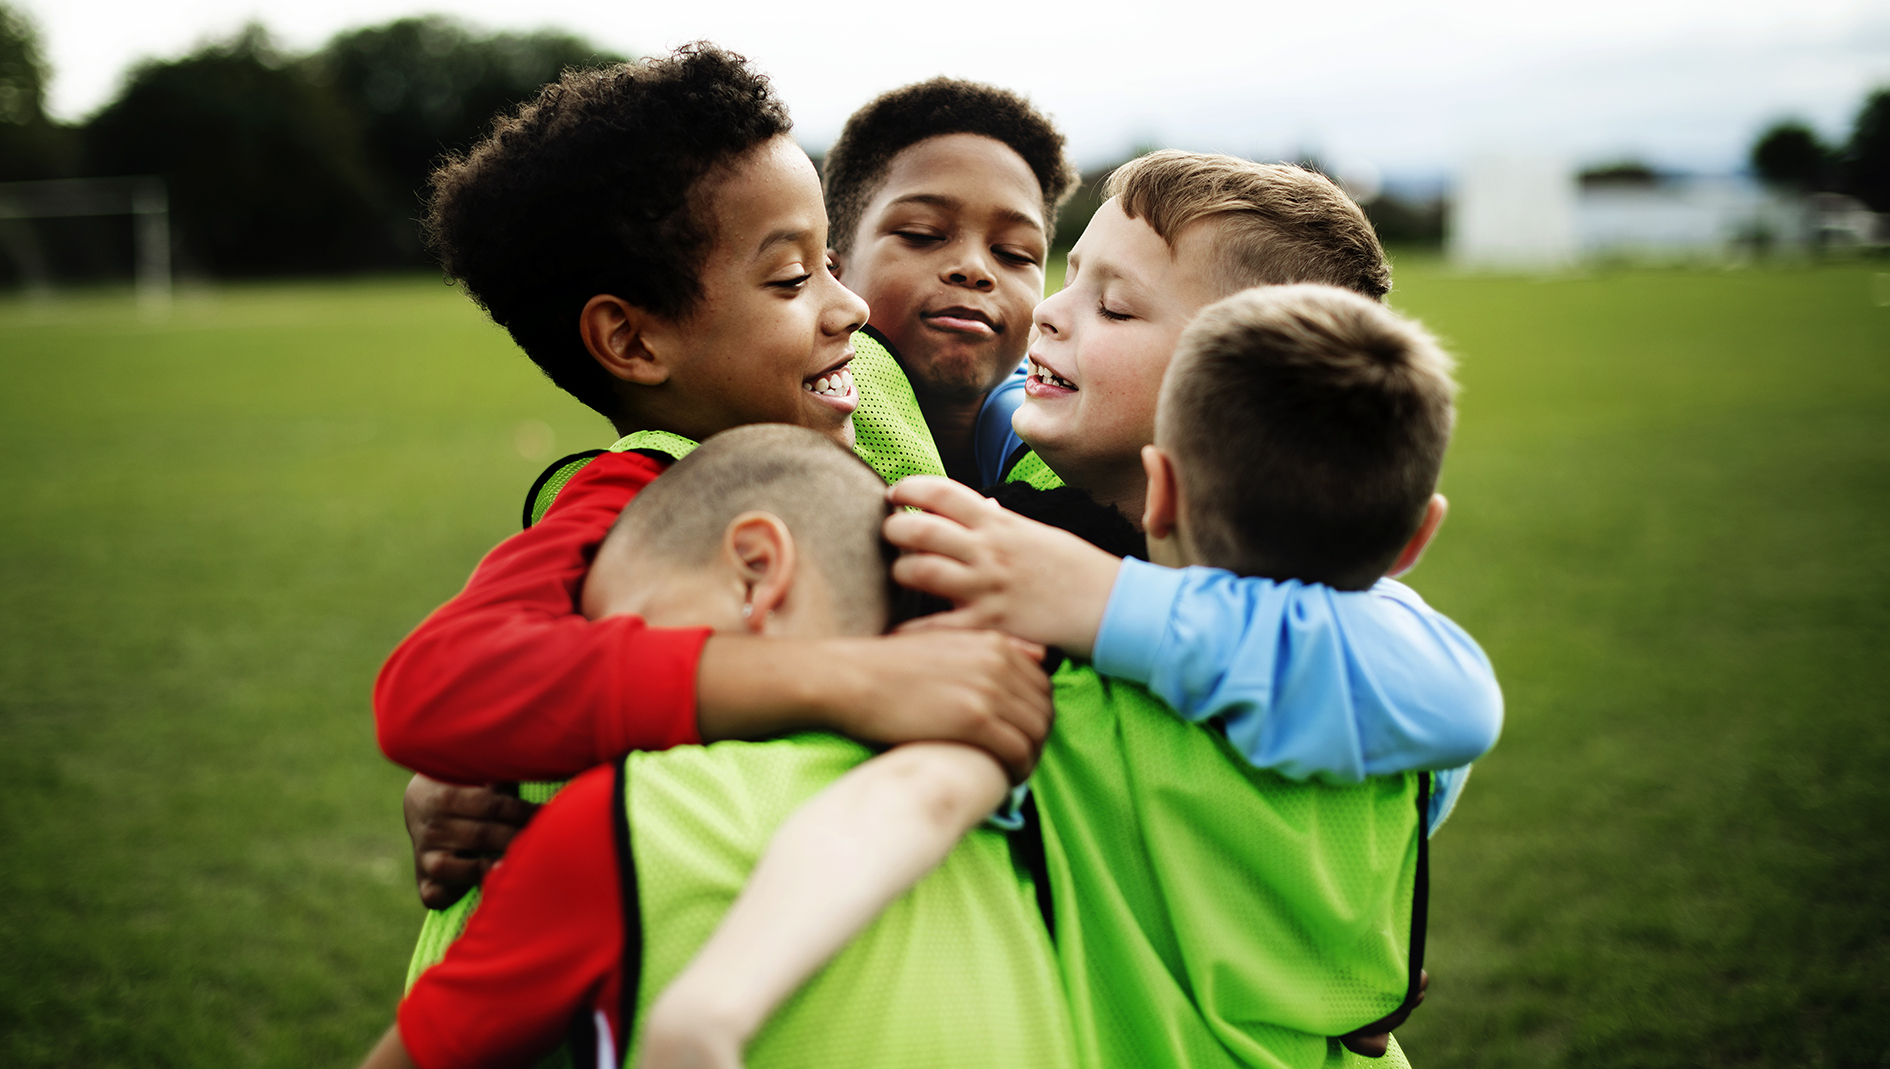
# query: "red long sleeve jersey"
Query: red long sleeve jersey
508,681
545,952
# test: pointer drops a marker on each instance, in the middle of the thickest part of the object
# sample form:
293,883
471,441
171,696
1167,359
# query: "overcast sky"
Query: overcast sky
1409,89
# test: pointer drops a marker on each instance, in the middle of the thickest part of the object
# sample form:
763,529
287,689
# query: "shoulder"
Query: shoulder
608,479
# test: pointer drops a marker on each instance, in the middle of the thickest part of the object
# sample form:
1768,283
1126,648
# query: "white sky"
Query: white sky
1410,89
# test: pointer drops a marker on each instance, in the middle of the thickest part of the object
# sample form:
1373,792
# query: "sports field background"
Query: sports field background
1669,490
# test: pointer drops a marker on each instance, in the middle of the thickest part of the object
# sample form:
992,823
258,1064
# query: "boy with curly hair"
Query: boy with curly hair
943,196
655,241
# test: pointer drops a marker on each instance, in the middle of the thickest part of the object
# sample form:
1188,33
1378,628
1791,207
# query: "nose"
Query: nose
846,310
970,267
1048,314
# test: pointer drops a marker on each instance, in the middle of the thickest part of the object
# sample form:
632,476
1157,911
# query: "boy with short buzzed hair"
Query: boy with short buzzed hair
770,532
943,197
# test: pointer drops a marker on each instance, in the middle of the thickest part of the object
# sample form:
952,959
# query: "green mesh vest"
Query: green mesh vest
1209,913
957,972
889,433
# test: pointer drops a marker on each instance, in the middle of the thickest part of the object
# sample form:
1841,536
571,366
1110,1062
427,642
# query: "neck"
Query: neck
1124,488
954,426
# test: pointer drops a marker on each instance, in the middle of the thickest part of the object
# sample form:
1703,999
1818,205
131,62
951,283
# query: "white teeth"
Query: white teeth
836,384
1050,378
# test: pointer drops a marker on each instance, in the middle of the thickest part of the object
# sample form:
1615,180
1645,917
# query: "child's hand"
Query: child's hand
998,569
458,833
982,688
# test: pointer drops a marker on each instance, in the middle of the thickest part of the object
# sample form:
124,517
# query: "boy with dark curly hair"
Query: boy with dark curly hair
655,241
943,197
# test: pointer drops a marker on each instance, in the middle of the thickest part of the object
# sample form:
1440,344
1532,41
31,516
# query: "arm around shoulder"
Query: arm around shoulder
1307,680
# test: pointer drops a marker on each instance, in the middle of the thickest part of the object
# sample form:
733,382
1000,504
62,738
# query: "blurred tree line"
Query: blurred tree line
279,163
1790,155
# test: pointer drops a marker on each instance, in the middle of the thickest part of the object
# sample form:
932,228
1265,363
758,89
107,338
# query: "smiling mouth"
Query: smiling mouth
835,383
963,320
1048,377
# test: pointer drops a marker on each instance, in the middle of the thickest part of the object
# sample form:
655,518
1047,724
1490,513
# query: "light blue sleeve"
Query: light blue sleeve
1306,680
1446,788
993,441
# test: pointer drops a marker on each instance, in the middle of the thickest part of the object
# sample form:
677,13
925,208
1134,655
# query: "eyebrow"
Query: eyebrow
783,237
940,200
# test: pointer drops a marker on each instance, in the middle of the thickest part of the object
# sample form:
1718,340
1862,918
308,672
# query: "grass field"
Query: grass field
1670,496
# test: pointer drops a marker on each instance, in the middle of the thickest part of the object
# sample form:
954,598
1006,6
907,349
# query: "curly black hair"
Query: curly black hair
857,164
588,189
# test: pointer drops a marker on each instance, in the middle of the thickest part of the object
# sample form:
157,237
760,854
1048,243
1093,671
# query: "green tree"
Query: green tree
264,165
1867,158
31,145
1790,155
422,87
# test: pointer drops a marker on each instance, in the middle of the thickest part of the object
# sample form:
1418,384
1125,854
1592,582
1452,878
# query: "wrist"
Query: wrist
756,688
1092,579
705,1011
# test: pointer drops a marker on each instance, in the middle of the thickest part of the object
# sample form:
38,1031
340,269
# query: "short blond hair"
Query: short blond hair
1279,224
1307,425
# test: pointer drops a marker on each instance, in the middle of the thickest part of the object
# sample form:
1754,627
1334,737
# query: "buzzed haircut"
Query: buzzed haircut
593,188
831,501
1307,425
1277,223
857,164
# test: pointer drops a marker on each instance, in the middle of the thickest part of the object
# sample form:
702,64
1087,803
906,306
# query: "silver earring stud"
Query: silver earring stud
748,611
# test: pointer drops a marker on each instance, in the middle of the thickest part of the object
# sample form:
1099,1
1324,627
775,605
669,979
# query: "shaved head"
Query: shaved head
830,500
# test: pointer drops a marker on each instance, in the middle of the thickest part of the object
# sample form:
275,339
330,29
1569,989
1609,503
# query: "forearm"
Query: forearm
830,870
1307,680
750,687
389,1053
521,696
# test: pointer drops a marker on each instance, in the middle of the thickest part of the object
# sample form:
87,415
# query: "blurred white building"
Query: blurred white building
1514,212
1531,213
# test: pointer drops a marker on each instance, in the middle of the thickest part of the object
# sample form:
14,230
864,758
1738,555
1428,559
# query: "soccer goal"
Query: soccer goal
143,198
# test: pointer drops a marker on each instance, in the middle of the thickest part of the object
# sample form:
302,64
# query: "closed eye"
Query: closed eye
1103,310
791,283
1017,256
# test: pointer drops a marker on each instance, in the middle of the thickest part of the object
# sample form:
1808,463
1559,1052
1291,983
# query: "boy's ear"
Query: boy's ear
760,548
1162,506
1413,550
626,341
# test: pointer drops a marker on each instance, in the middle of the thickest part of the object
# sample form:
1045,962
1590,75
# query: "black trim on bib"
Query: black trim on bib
632,968
1027,853
1011,462
1420,893
531,496
886,343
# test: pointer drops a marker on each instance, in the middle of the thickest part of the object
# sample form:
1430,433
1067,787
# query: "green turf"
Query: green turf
1669,508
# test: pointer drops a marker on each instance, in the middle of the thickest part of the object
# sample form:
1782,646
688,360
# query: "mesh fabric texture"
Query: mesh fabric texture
957,972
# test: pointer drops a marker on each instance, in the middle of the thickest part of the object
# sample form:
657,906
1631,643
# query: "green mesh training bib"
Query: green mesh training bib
1209,913
957,972
889,433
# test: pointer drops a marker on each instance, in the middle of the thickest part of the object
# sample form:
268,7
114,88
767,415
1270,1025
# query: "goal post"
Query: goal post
142,197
